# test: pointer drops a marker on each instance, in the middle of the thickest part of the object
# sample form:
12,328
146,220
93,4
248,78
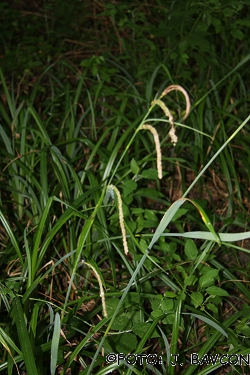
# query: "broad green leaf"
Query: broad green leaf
208,278
140,329
150,215
190,280
137,211
212,307
150,174
148,333
169,295
167,304
134,167
205,281
236,33
156,313
111,305
197,298
123,342
149,193
243,328
216,291
190,249
121,323
128,187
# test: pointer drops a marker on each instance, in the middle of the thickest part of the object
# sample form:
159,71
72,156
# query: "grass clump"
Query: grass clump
163,287
114,241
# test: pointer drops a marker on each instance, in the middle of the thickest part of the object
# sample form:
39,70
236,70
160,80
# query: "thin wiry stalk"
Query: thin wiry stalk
157,147
121,218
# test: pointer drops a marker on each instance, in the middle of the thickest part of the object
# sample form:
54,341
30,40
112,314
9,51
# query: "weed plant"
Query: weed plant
125,213
96,257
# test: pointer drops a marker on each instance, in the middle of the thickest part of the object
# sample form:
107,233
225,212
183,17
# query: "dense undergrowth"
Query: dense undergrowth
100,256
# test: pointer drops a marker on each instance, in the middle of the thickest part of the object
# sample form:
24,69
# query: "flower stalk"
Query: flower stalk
121,218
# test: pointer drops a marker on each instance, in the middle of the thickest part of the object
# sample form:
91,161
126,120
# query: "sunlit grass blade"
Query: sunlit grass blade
224,237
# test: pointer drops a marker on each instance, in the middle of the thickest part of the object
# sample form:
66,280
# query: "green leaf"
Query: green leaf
179,213
190,280
208,278
212,307
216,291
190,249
134,167
123,343
150,174
155,302
156,313
197,298
167,304
140,329
121,323
170,318
128,187
170,295
111,305
204,281
55,344
149,193
243,328
150,215
236,33
23,336
137,211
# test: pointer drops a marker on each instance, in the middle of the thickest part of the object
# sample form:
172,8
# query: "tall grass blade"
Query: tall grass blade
55,344
24,339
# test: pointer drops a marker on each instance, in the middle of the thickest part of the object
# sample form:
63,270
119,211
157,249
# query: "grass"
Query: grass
65,243
125,229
